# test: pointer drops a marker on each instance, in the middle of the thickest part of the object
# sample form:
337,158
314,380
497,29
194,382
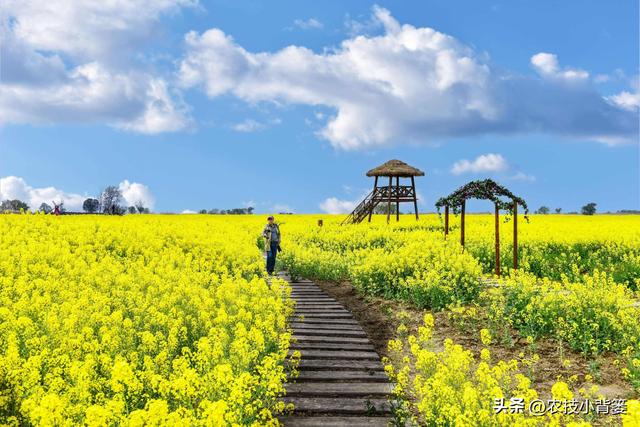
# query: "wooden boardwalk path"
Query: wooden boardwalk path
342,381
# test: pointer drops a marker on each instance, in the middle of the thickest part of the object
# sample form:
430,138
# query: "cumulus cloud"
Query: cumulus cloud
92,93
188,211
407,84
86,28
134,192
547,65
627,100
13,187
333,205
483,163
72,62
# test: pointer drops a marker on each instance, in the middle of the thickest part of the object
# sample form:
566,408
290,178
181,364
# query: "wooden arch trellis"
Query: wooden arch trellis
488,190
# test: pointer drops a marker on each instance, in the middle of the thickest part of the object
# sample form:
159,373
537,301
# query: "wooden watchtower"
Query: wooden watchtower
389,193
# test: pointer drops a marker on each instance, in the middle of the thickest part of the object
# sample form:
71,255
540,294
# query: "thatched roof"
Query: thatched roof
395,168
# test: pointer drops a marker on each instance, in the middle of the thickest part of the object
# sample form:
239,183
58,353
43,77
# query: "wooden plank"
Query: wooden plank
330,326
309,294
338,354
333,321
344,365
332,405
328,421
332,389
330,346
300,337
309,316
341,376
307,311
319,304
307,291
329,333
314,300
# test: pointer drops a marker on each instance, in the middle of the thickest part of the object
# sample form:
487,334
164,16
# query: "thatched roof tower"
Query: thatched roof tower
390,193
395,168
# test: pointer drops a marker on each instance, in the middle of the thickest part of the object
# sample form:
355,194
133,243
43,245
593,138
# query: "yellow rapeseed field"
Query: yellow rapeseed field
137,320
168,320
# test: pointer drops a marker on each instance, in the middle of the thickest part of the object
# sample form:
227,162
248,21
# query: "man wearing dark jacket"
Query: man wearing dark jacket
271,234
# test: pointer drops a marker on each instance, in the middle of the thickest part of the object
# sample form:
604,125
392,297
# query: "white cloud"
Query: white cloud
73,62
546,64
483,163
377,87
91,93
308,24
188,211
134,192
333,205
13,187
627,100
86,28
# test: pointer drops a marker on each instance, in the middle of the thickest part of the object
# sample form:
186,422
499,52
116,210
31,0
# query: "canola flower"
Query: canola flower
138,320
167,320
451,388
586,300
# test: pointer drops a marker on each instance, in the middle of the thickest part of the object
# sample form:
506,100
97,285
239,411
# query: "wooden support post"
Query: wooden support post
462,223
398,199
373,205
446,221
415,197
515,235
497,241
389,202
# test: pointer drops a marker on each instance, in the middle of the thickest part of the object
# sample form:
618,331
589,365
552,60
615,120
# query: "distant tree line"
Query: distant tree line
235,211
109,202
588,209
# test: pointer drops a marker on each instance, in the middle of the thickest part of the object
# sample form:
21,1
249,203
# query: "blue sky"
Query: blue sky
285,105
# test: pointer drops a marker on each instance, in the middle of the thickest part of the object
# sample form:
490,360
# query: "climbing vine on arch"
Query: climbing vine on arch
486,189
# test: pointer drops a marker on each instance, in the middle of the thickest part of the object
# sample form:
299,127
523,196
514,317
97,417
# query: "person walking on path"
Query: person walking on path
272,236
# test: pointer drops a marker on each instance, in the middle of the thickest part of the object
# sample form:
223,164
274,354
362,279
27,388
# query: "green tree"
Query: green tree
589,209
45,208
91,205
542,210
13,205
